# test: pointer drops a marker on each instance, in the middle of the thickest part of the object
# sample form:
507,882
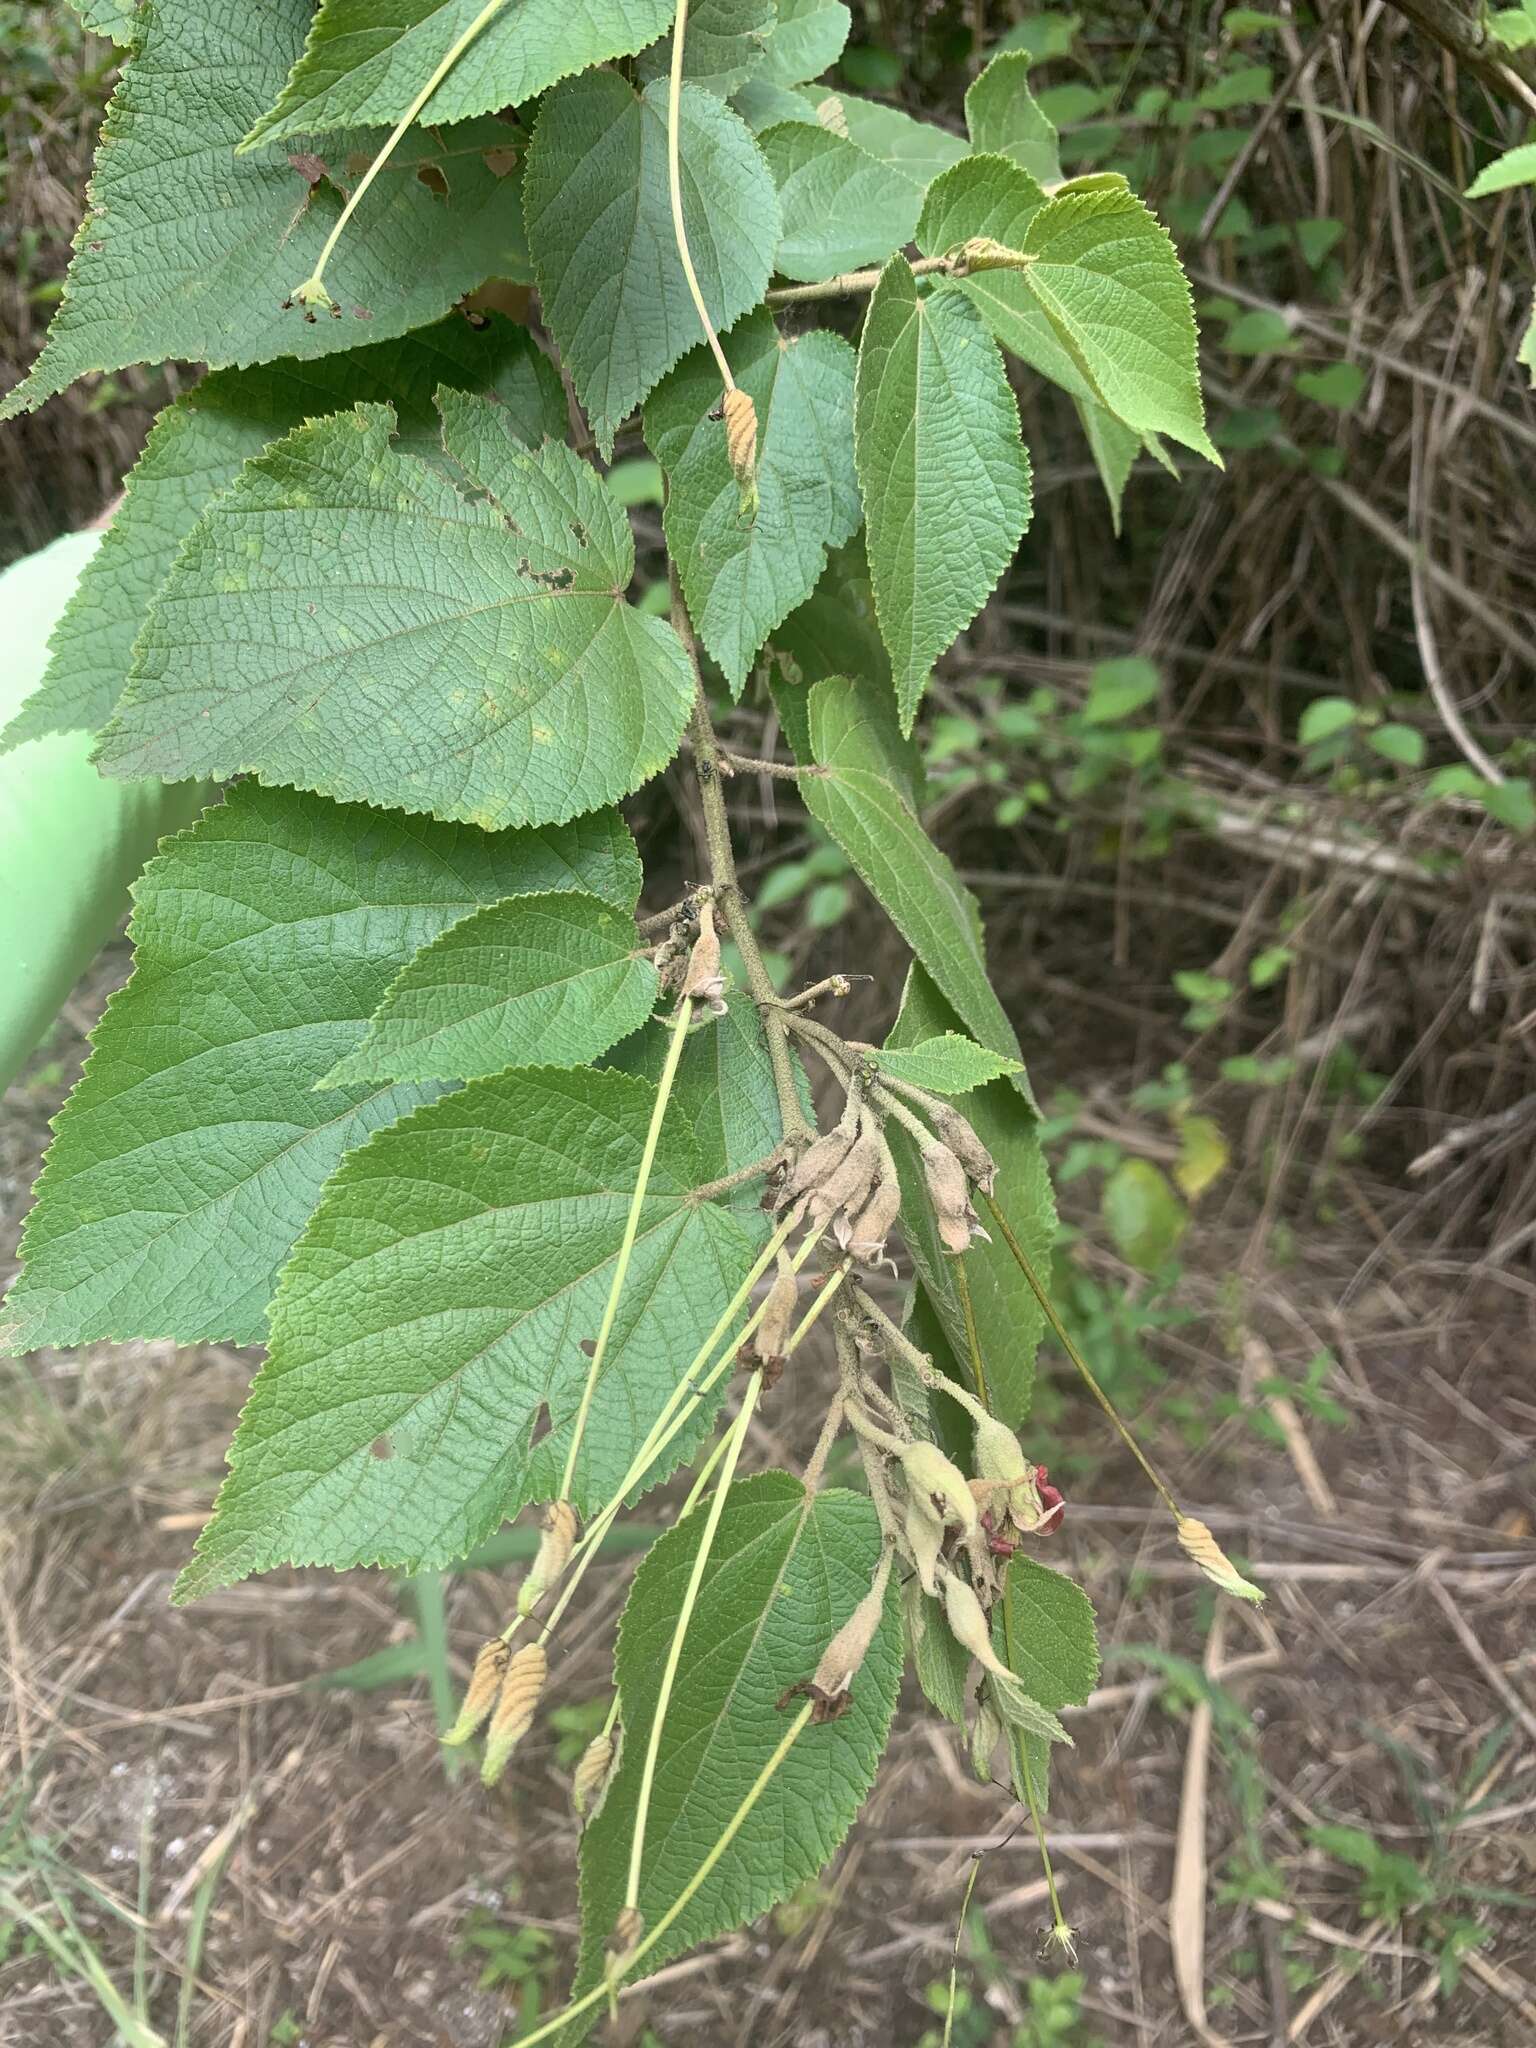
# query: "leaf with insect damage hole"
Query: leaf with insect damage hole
441,1298
744,575
363,65
198,447
384,635
727,41
841,207
1009,1321
547,980
600,230
863,798
195,1145
786,1570
187,250
944,475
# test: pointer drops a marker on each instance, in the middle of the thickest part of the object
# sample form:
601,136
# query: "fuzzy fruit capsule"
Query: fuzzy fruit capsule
592,1773
930,1474
555,1546
480,1694
515,1709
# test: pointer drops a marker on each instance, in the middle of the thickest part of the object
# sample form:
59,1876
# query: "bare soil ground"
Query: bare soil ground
275,1862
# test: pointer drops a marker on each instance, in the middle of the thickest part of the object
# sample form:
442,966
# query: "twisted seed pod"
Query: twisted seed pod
741,441
1197,1543
622,1943
480,1695
515,1709
590,1781
554,1554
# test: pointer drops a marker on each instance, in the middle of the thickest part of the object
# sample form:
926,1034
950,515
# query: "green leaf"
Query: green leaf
862,798
944,475
1338,386
941,1665
743,577
1401,743
786,1570
1043,1629
1119,687
1114,448
1009,1322
384,635
363,65
547,980
141,287
600,231
1003,119
1044,35
194,1147
114,18
1525,355
835,629
1144,1216
439,1299
1512,803
947,1064
841,207
1108,279
914,150
1325,716
727,42
197,448
1515,167
809,38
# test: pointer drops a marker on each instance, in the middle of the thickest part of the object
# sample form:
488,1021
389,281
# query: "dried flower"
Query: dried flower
768,1346
622,1943
842,1657
515,1709
864,1234
480,1695
593,1775
958,1135
848,1187
553,1555
816,1163
949,1193
703,980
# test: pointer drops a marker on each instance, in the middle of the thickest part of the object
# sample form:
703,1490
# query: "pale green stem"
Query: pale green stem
685,1897
734,1442
627,1245
954,1960
1048,1310
314,284
675,192
706,1473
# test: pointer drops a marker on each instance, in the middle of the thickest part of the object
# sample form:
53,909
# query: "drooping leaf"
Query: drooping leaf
1515,167
385,636
1144,1216
1004,120
834,631
727,42
1114,448
546,980
1043,1629
195,1145
143,286
914,150
786,1570
941,1665
808,39
197,448
944,475
1009,1322
764,105
439,1299
601,234
841,207
862,797
949,1063
363,65
743,576
1108,278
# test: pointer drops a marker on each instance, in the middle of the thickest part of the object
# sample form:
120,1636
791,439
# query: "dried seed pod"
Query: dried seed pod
773,1332
741,445
515,1709
816,1163
554,1554
949,1193
592,1776
930,1475
703,980
958,1135
849,1185
865,1233
480,1694
1197,1542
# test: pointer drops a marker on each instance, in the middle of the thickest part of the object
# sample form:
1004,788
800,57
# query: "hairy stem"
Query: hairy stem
733,1442
675,192
313,289
849,283
627,1244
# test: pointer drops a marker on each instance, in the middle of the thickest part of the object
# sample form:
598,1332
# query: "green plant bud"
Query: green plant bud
987,1731
930,1475
957,1134
982,252
593,1775
968,1622
480,1695
998,1455
515,1708
924,1536
553,1555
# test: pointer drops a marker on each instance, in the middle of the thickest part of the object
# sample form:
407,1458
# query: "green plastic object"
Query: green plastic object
71,841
